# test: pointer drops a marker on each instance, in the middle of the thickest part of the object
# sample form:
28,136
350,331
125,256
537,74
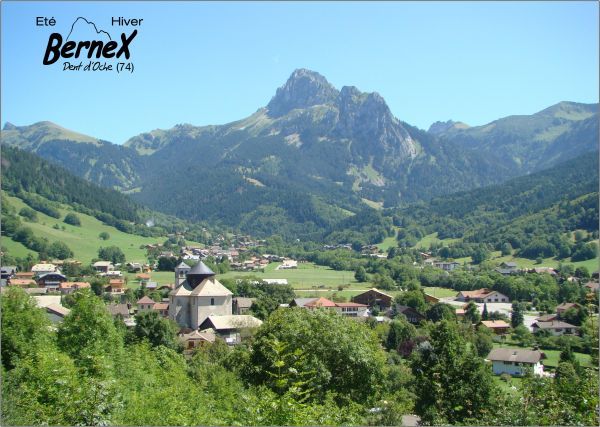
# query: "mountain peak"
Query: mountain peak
442,127
303,89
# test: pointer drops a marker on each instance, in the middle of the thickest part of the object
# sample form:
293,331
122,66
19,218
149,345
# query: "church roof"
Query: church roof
182,265
209,287
201,269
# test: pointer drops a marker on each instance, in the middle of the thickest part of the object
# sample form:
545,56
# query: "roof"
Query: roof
182,265
43,267
406,309
509,264
546,318
146,300
21,282
69,285
209,287
142,276
478,293
233,322
554,324
201,269
243,302
320,302
57,309
115,309
495,324
116,281
102,264
300,302
206,335
515,355
592,285
33,291
566,305
161,306
350,304
376,291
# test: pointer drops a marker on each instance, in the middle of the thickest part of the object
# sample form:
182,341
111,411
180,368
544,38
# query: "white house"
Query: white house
516,361
482,296
43,268
556,327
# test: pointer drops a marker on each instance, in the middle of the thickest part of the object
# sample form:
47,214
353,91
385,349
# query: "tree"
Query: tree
400,332
516,317
479,255
59,250
88,333
506,249
452,383
72,219
483,341
28,214
440,311
113,254
167,263
484,313
149,325
361,274
344,355
472,313
523,336
104,235
24,327
575,315
414,299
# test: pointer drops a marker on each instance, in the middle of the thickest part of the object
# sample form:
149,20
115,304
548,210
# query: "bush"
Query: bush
104,235
72,219
28,214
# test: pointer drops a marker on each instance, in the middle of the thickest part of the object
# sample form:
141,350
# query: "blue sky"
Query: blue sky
212,63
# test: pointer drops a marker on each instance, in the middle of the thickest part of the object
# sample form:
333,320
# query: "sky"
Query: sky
212,63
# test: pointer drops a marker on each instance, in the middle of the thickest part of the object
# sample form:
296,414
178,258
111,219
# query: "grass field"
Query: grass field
508,386
15,248
440,292
84,240
306,276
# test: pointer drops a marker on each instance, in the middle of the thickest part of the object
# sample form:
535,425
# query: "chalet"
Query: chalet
499,327
70,287
8,271
151,286
162,308
516,361
145,303
115,286
24,275
51,281
482,296
103,266
431,299
547,318
194,339
288,264
412,315
555,327
115,274
319,303
446,266
374,298
56,312
543,270
199,296
230,327
134,267
43,268
590,286
562,308
241,305
352,309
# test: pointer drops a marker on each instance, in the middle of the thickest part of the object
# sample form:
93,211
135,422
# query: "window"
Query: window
212,301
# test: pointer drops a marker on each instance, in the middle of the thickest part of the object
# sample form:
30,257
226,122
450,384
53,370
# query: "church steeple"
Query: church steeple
198,273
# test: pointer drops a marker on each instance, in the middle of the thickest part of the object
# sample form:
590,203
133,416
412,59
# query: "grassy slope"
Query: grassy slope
83,241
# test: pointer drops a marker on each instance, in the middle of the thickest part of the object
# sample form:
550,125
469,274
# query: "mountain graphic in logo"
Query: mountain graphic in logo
82,29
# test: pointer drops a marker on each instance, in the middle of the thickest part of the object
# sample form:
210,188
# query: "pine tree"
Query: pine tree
484,313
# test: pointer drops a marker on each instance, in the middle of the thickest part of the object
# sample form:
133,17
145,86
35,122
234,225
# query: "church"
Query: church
197,295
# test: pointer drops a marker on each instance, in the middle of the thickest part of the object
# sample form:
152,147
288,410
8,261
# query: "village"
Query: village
205,310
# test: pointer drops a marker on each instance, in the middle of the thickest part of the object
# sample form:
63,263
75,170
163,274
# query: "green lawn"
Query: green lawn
552,357
440,292
84,240
508,386
388,242
15,248
590,264
306,276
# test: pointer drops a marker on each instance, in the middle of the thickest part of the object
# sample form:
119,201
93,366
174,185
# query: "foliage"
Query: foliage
343,354
113,254
149,325
451,382
72,219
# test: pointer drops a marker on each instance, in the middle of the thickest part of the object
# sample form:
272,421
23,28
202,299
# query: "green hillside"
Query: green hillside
82,240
